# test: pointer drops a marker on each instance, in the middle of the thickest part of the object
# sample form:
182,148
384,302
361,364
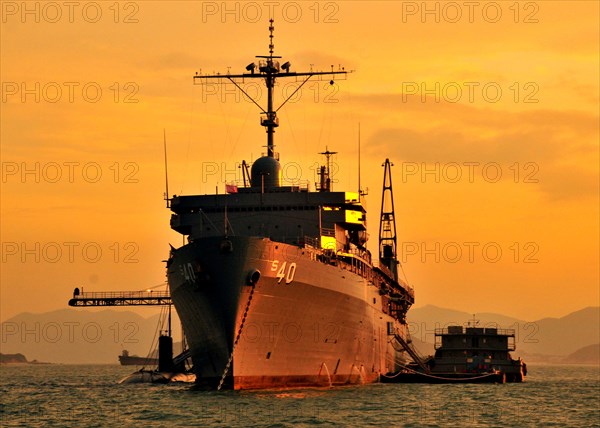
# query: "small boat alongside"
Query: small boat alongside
170,369
155,376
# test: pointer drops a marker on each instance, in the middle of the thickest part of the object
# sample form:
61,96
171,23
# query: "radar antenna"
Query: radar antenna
166,171
269,70
325,172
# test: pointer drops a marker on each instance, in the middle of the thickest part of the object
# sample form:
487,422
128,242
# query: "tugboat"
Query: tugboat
275,287
468,354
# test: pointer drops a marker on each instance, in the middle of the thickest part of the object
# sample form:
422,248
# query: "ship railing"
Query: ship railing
327,232
387,272
120,298
312,242
475,330
275,154
237,183
383,268
296,185
354,259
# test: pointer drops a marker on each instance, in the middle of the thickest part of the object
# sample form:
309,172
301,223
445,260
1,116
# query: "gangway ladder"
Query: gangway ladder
182,357
412,352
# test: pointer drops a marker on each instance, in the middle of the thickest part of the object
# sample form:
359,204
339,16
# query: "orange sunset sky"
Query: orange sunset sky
489,111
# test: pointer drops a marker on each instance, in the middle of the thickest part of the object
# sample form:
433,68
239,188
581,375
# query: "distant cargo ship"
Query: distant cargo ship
276,287
133,360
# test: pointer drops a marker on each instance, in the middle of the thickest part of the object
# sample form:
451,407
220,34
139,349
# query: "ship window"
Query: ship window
268,355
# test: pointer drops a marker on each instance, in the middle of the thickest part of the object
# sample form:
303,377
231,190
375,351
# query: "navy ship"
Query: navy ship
276,287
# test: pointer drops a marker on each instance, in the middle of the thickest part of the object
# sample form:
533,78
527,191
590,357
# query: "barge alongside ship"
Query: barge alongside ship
466,355
276,287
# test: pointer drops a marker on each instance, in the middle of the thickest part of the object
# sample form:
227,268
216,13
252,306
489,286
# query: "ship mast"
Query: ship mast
271,67
270,70
325,173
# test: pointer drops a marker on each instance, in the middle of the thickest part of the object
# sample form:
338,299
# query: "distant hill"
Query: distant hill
13,359
80,336
550,339
423,348
586,355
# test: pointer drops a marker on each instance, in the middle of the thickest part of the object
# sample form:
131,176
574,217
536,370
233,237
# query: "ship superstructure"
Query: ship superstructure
276,287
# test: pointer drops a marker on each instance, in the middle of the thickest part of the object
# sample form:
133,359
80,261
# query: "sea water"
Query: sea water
80,395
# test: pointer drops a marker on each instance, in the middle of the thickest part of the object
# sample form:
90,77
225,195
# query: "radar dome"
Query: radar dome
270,169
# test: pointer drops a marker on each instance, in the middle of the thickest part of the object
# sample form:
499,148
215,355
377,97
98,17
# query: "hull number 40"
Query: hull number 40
284,271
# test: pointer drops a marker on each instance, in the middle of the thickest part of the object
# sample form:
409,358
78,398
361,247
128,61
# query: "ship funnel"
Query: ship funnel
266,173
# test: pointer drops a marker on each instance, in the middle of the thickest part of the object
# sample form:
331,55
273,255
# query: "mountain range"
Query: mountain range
549,340
84,336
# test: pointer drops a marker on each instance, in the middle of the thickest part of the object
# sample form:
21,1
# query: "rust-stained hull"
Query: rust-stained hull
303,323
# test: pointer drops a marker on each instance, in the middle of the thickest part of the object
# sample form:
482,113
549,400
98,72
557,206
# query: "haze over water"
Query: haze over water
88,395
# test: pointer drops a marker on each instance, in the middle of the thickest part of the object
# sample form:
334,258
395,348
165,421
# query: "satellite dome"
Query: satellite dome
270,169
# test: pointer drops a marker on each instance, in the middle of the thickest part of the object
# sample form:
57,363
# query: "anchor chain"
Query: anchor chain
237,338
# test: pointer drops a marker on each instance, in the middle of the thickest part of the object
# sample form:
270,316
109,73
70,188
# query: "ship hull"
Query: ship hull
289,318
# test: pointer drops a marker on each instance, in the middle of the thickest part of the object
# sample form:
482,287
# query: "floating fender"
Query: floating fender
253,277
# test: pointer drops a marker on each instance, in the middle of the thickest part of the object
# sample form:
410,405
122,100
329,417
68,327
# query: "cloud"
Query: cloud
561,145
